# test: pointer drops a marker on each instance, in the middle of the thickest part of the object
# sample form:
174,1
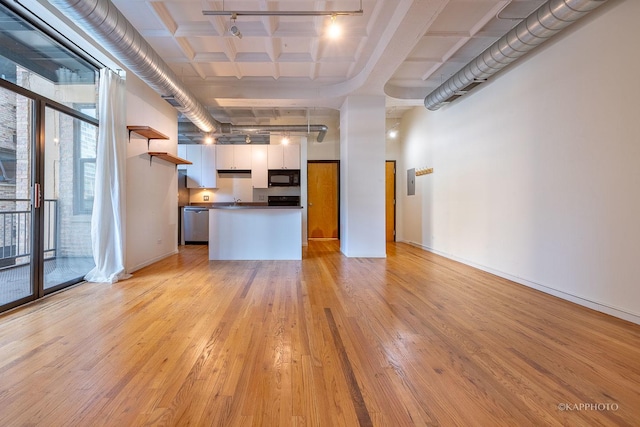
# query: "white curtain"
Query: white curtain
107,225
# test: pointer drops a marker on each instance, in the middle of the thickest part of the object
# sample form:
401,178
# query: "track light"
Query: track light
334,30
234,30
247,139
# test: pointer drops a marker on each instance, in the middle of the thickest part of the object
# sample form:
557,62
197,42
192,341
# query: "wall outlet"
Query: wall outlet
205,198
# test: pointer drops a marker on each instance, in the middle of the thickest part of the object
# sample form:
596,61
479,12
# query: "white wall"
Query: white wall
152,190
536,173
329,148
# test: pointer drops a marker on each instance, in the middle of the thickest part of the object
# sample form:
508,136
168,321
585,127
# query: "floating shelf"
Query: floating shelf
147,132
168,157
424,171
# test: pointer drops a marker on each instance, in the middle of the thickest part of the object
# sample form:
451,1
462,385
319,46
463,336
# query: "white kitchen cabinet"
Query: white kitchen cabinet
230,157
209,171
284,156
224,157
291,157
259,174
182,152
242,156
202,172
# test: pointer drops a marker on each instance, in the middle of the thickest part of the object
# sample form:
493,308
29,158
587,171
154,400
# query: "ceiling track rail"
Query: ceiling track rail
225,12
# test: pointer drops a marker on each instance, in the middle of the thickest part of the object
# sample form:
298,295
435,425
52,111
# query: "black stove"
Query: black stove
284,201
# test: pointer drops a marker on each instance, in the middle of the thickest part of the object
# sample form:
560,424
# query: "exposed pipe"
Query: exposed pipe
228,128
110,28
540,26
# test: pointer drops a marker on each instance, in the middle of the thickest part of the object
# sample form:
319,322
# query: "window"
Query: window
7,166
85,144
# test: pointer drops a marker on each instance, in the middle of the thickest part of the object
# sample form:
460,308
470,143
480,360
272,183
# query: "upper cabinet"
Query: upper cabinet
202,172
182,152
259,175
284,156
230,157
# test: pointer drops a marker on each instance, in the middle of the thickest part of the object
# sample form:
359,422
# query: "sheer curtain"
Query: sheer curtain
107,225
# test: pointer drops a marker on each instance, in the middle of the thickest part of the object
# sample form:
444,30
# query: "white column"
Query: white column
362,175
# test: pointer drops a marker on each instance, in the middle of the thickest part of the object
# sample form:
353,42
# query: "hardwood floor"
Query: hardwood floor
414,339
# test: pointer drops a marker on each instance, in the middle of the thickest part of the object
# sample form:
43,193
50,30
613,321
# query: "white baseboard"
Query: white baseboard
151,261
594,305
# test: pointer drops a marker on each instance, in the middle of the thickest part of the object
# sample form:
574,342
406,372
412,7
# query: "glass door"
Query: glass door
16,190
69,175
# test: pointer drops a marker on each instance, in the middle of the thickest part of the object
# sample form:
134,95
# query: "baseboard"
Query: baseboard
151,261
594,305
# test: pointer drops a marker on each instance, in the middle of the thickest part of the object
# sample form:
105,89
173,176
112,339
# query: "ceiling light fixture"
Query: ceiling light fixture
247,139
224,12
334,28
233,29
285,139
393,131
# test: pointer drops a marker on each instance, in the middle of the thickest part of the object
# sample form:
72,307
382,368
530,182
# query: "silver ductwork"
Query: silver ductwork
228,128
108,26
540,26
321,129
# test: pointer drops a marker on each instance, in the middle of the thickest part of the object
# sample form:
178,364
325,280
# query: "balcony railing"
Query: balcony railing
16,232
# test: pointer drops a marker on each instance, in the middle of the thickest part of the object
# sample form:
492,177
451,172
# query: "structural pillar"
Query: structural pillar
362,177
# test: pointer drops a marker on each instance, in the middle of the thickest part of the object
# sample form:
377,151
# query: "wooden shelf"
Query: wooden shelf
169,158
147,131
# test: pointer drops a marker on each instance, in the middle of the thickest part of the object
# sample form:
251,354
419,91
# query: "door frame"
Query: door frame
395,197
337,162
38,130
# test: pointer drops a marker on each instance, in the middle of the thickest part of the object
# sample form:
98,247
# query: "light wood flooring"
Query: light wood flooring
413,339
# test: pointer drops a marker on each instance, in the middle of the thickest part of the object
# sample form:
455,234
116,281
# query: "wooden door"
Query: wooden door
390,191
323,200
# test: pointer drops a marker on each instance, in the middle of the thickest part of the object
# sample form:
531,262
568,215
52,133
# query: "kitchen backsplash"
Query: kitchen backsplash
238,186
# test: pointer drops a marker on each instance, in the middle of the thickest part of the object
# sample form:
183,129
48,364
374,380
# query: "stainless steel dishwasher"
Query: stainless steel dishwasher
196,224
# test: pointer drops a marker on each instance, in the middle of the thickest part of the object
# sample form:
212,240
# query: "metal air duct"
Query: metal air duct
109,27
321,129
228,128
540,26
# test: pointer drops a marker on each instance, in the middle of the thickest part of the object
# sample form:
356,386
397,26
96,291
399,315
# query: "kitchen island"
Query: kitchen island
255,232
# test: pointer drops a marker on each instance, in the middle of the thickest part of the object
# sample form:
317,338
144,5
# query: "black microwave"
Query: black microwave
284,178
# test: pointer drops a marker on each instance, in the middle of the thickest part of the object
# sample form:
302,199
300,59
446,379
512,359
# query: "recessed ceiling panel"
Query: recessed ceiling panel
333,69
207,44
412,70
432,47
167,47
472,48
461,16
219,69
256,69
293,69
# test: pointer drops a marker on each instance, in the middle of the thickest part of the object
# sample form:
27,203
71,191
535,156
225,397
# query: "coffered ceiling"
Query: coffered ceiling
287,67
